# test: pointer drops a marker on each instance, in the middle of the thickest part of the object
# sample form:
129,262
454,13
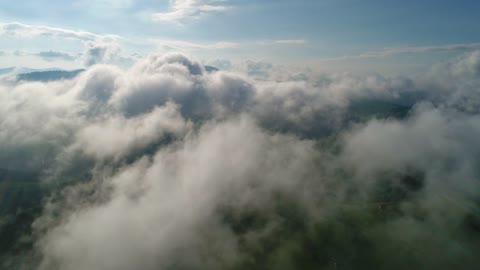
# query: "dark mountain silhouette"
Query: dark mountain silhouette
211,69
51,75
6,70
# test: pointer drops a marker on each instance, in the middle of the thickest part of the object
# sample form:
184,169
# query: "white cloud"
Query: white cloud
158,79
99,49
100,53
186,46
149,200
170,203
189,46
412,50
283,42
433,140
184,9
116,4
20,30
56,55
118,136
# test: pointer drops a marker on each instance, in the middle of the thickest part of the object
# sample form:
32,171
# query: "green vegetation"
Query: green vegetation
21,197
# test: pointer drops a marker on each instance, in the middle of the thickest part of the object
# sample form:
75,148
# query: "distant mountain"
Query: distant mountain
22,70
49,75
6,70
211,69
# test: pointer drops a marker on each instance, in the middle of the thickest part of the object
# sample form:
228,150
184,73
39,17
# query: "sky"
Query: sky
329,35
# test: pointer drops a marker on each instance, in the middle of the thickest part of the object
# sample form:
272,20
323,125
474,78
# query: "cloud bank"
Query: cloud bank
167,166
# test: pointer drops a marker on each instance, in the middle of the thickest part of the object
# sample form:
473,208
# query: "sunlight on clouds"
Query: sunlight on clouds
184,9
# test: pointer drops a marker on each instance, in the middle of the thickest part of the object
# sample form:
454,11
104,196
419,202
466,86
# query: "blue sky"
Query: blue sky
334,33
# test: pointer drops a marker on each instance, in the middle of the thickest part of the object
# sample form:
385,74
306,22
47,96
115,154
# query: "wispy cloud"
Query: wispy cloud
186,46
20,30
56,55
183,9
115,4
49,56
283,42
411,50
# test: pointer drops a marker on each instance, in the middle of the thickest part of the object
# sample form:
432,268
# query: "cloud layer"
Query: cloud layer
168,166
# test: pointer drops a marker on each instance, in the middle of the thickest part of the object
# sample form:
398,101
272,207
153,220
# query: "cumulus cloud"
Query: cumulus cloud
194,177
34,112
430,139
166,165
177,78
100,53
452,82
117,135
